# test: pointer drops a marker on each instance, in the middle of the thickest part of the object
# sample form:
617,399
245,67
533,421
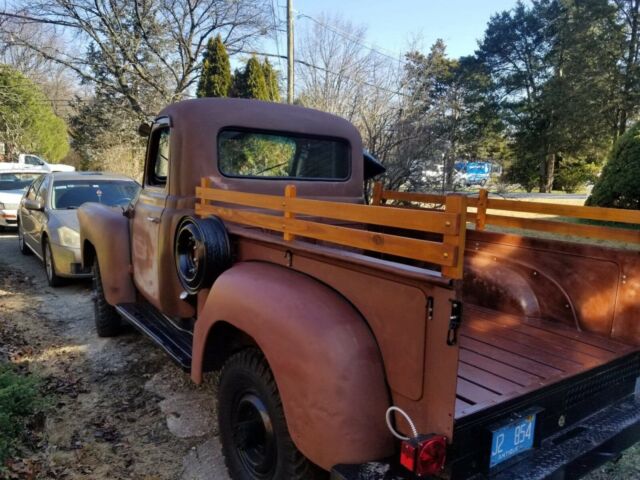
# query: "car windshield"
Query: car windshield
17,180
476,169
71,194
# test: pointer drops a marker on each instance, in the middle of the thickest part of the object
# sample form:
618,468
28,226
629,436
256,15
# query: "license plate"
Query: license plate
512,439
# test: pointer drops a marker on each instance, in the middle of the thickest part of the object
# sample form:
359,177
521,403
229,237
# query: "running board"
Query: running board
177,342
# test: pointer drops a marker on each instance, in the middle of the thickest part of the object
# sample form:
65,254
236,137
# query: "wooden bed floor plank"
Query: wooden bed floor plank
552,338
491,381
531,343
528,365
509,372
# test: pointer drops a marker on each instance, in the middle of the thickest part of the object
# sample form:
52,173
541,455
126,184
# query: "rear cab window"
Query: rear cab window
278,155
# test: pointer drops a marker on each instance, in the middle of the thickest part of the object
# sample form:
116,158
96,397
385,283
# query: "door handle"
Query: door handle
154,219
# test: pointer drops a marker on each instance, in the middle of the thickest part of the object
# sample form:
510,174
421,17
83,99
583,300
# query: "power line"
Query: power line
352,38
322,69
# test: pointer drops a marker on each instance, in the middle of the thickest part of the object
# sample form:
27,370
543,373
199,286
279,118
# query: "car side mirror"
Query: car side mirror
144,130
33,205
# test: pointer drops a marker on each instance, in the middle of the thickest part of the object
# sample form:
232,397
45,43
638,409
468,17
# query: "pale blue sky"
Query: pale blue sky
392,24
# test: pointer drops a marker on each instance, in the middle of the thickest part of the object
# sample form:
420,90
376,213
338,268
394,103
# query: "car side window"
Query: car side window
33,189
158,167
43,191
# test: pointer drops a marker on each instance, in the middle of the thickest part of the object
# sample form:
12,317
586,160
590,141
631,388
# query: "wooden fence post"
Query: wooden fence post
205,182
376,199
481,214
456,204
289,192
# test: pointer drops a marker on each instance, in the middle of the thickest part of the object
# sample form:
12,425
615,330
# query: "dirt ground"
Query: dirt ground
121,409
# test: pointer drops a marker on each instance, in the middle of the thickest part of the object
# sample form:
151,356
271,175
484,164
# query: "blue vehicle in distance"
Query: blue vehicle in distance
474,173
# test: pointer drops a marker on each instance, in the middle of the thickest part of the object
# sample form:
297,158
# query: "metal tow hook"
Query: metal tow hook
454,322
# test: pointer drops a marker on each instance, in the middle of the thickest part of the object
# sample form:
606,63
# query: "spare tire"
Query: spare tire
202,252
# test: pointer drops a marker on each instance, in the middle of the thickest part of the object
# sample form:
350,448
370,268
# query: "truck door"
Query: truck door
145,228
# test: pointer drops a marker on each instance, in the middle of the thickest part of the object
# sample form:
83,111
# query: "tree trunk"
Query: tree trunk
547,173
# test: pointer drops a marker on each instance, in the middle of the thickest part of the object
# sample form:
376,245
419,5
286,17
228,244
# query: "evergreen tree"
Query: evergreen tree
215,79
619,184
271,79
27,121
251,83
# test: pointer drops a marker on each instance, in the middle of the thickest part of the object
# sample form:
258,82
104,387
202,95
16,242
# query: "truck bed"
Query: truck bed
503,356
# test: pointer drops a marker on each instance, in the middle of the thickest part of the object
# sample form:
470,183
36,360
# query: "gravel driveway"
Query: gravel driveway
121,409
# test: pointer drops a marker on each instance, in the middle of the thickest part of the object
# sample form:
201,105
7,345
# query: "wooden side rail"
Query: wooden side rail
482,203
298,217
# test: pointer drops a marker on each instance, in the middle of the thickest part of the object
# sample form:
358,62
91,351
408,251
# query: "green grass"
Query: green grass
19,399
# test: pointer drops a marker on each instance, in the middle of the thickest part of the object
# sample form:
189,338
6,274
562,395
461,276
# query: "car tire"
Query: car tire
263,449
108,321
21,243
50,266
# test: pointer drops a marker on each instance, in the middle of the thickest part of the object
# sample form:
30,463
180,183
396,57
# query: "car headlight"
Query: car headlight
69,237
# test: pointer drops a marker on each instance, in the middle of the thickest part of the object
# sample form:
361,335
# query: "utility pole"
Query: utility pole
290,73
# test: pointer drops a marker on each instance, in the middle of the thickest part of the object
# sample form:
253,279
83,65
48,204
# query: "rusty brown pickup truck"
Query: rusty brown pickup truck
390,338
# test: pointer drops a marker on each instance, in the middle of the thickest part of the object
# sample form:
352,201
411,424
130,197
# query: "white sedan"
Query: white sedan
13,184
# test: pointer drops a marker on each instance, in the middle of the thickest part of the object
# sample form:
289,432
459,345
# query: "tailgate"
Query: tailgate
561,411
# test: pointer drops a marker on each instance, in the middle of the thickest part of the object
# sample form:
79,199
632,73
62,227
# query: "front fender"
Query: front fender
324,358
106,230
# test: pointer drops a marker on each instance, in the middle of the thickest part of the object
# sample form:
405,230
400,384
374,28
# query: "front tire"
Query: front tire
255,440
108,322
50,266
21,243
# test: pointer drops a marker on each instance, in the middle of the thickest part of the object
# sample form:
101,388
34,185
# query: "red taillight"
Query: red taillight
408,454
424,455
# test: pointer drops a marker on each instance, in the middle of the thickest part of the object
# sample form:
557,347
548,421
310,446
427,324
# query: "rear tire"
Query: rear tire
108,322
255,440
50,266
21,243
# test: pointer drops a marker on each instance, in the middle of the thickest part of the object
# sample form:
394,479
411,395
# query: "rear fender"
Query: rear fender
104,232
324,358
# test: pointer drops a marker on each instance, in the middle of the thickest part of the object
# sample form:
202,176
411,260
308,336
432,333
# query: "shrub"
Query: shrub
573,174
619,184
19,398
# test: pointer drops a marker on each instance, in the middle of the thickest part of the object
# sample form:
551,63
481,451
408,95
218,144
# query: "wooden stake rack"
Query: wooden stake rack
306,218
481,217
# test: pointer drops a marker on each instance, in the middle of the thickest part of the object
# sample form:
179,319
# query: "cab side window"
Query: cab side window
32,160
158,163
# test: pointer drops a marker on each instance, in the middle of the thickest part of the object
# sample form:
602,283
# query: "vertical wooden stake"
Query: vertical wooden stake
289,192
376,198
456,204
481,214
205,182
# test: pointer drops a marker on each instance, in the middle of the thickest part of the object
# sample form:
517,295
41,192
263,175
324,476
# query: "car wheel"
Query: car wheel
255,440
50,266
21,243
108,322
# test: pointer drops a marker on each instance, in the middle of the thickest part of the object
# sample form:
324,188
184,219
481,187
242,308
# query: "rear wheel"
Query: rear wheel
255,439
50,266
108,322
